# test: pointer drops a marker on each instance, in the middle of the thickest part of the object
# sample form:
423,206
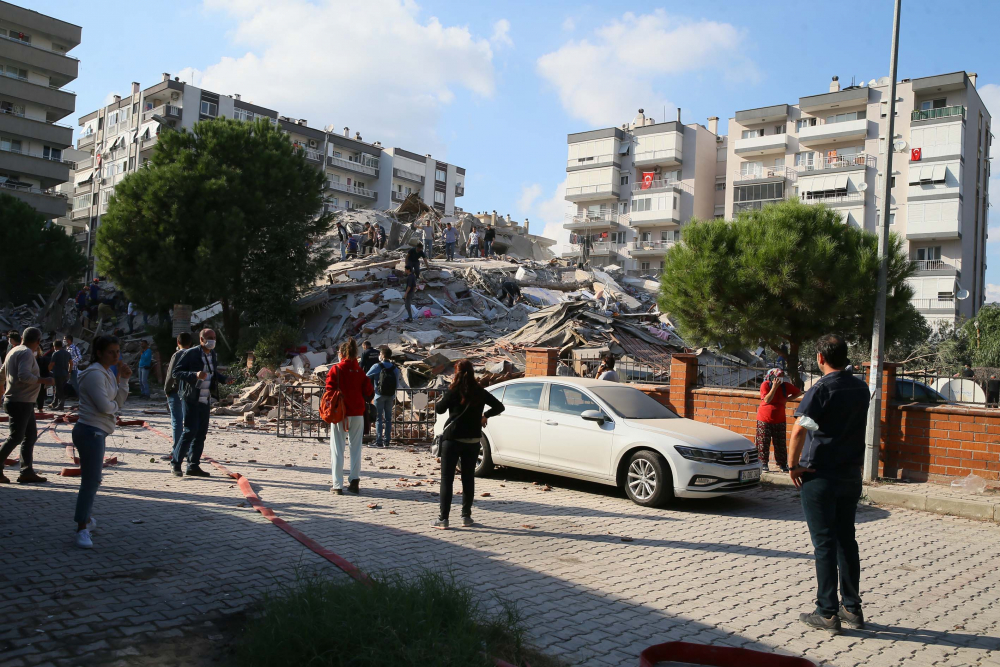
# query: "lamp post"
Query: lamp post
874,426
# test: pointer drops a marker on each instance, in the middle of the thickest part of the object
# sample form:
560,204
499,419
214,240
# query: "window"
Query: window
646,237
438,197
17,35
623,207
779,164
440,175
892,219
567,401
644,266
50,153
10,145
676,202
17,73
805,159
939,103
720,154
720,187
497,393
644,204
751,134
779,129
881,144
209,108
623,180
804,122
131,163
618,237
845,117
929,253
523,395
763,191
11,108
892,181
82,201
243,114
750,168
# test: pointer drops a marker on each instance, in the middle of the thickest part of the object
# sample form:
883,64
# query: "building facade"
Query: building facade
120,138
632,188
831,148
36,65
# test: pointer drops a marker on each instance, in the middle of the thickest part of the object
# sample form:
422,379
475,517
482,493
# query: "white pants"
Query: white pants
338,439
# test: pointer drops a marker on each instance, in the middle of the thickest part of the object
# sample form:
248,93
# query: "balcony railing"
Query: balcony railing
40,48
651,245
359,167
642,273
86,140
602,219
599,248
664,155
351,189
85,164
78,213
811,198
164,111
660,184
590,160
408,175
936,265
13,75
766,172
38,154
459,190
148,142
315,156
603,188
757,205
859,160
399,196
33,189
933,304
944,112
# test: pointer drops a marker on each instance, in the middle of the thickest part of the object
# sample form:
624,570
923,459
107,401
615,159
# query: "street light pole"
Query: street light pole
874,427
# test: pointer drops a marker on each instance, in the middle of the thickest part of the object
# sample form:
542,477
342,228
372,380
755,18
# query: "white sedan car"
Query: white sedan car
613,434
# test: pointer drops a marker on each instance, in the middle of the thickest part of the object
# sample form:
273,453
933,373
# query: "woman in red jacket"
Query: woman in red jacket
357,391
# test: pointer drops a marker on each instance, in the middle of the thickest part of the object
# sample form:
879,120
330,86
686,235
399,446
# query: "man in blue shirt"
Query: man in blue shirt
386,378
449,243
825,458
145,366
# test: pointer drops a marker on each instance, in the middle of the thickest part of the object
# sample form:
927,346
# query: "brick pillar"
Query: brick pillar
540,361
683,374
888,418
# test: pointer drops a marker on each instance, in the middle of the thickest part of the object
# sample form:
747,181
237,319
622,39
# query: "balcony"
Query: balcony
53,134
404,175
741,206
595,222
765,174
313,155
643,219
84,188
166,111
600,249
849,198
937,267
957,111
644,273
49,203
351,189
351,165
934,305
399,196
592,192
86,140
591,162
149,142
650,248
23,161
66,67
80,213
666,157
60,102
771,143
86,163
661,185
830,132
459,190
858,161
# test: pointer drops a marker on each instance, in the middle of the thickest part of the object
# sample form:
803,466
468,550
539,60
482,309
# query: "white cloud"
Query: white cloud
376,66
109,98
501,34
569,25
529,193
548,217
992,293
637,53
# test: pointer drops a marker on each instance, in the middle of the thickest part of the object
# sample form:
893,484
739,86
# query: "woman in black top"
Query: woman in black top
464,401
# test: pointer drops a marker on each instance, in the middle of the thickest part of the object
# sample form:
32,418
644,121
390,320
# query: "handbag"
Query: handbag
447,431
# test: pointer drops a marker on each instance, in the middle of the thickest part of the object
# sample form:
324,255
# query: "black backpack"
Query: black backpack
386,385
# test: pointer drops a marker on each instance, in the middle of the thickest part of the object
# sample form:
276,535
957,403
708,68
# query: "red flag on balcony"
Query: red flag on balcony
647,179
914,155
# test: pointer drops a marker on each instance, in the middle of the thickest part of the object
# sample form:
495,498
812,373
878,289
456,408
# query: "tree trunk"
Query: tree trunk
793,364
230,323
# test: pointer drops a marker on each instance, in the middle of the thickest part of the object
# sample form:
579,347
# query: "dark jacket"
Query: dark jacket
186,368
369,358
468,422
170,384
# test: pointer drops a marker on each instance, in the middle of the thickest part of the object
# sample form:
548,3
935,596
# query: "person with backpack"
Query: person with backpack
387,378
347,385
460,439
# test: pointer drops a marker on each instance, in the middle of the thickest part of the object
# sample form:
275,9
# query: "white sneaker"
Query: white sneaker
83,539
92,524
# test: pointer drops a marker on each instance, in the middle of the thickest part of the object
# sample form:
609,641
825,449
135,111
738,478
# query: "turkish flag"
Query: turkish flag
647,179
914,155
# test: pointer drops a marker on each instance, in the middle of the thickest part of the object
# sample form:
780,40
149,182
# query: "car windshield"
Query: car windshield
630,403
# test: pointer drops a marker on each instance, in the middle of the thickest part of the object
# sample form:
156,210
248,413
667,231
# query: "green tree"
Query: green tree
785,274
37,255
983,336
224,213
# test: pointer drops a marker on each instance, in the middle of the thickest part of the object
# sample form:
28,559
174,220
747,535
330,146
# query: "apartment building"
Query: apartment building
35,64
831,148
120,138
632,188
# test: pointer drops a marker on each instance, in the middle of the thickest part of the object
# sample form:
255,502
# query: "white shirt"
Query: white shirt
204,386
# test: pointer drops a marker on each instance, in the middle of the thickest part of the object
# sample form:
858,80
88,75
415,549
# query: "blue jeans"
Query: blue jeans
489,248
192,442
176,417
144,381
383,418
830,505
89,443
449,251
343,250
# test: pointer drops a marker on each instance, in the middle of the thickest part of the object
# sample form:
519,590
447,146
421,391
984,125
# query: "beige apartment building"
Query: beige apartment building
36,65
632,188
831,148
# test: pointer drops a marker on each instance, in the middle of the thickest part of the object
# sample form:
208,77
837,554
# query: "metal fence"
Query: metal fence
298,413
936,388
738,376
630,370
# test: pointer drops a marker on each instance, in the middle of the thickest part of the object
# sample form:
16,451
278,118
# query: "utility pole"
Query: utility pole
874,428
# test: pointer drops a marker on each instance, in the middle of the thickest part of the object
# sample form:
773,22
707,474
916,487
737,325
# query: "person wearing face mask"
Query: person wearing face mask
23,382
184,342
197,373
102,396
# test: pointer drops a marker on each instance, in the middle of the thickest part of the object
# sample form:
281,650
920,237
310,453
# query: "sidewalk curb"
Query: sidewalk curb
984,510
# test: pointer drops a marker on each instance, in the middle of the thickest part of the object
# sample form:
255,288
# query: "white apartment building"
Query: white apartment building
633,187
35,66
120,138
831,149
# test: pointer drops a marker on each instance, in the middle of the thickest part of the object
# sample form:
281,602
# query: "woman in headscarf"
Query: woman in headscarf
774,393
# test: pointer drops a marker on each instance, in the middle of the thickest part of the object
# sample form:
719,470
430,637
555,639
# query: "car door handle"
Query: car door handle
551,423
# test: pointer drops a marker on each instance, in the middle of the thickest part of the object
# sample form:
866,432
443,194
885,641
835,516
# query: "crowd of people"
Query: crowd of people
374,237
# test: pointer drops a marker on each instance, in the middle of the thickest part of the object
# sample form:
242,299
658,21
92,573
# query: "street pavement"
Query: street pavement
597,577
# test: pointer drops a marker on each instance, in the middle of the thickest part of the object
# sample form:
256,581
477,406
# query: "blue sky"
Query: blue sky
495,87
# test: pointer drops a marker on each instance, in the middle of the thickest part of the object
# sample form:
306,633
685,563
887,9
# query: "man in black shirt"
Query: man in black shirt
369,356
413,257
489,237
825,458
60,366
992,392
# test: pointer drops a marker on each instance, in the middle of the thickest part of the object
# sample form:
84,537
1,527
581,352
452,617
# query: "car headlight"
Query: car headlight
703,455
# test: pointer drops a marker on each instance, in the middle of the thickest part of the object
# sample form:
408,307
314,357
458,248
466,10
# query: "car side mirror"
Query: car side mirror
594,416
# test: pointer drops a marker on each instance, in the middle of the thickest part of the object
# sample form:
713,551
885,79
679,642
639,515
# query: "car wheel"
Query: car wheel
484,460
648,481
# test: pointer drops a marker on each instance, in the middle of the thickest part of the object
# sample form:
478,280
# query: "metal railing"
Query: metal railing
662,155
652,245
929,386
86,140
756,205
601,219
167,110
834,199
766,172
590,160
629,369
33,189
399,196
933,304
38,154
40,48
944,112
363,168
936,265
660,184
642,273
857,160
351,189
603,188
315,156
598,248
407,175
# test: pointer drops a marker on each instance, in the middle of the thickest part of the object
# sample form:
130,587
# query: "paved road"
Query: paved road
733,572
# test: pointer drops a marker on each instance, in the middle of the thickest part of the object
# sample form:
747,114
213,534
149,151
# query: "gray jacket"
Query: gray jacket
101,398
21,376
170,385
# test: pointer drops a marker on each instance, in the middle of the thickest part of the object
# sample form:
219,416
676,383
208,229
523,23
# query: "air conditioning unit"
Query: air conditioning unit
313,143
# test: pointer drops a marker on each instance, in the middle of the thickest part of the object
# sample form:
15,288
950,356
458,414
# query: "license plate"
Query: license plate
749,475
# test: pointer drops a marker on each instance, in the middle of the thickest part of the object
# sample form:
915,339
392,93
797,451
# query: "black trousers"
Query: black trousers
451,452
830,505
23,431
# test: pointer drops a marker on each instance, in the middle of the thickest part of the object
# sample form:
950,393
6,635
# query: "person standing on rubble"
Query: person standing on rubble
387,378
368,242
461,438
356,389
427,234
383,238
198,376
413,257
411,289
342,235
174,404
23,383
774,395
102,396
472,249
449,243
489,237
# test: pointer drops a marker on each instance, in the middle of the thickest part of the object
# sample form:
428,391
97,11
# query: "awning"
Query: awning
927,173
939,174
88,179
840,182
623,150
914,175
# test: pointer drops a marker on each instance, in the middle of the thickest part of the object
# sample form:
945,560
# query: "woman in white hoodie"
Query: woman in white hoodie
102,395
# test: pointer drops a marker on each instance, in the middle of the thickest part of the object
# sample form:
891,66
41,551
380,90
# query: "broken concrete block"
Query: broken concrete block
314,359
357,275
470,335
363,310
421,338
392,295
461,321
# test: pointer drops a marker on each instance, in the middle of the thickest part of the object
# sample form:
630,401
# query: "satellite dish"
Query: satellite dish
872,83
962,294
883,81
899,145
862,186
